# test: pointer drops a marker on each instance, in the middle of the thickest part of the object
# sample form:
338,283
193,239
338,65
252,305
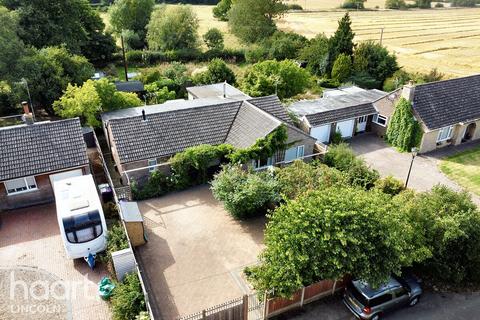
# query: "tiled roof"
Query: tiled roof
166,133
43,147
336,115
443,103
249,125
129,86
272,105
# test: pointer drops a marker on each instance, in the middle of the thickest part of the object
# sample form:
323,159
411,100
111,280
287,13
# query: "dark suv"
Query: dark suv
368,303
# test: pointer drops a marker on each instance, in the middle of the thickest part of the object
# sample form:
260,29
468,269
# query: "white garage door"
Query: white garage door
65,175
321,133
346,128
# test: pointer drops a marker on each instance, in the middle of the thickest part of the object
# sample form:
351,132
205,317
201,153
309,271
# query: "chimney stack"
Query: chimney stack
408,91
27,115
144,116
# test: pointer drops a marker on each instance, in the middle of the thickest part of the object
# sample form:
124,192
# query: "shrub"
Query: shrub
395,4
423,4
284,45
328,83
464,3
217,71
256,54
316,53
404,131
294,6
285,78
440,5
353,4
357,172
191,167
213,39
142,316
300,177
220,11
117,239
157,185
127,299
244,193
342,68
110,210
450,223
389,185
337,138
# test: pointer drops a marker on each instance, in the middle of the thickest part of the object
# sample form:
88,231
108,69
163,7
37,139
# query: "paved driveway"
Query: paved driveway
47,285
425,173
432,306
196,252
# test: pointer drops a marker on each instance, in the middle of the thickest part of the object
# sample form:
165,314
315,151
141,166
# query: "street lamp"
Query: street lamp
414,154
25,83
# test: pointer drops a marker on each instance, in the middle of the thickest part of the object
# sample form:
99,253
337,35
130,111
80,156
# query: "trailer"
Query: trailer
80,217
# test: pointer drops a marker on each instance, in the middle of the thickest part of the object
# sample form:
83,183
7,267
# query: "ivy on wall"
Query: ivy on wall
404,131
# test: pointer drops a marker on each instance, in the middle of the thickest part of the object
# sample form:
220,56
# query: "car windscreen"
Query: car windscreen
83,227
358,295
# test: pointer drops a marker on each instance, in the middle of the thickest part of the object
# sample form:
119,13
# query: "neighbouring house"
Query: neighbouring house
448,111
349,111
35,155
142,138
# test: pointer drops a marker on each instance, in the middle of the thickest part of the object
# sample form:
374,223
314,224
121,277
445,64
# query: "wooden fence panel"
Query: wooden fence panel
277,304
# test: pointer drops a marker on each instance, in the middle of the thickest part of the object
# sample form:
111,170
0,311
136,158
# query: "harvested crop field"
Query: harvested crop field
448,39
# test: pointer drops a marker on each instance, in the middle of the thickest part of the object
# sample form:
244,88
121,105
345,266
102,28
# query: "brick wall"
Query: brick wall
43,194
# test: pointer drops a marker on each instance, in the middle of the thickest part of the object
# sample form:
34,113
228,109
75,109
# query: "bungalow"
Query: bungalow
448,111
34,155
140,138
348,110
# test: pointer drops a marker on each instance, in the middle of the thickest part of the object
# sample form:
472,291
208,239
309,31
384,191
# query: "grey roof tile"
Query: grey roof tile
27,150
249,125
335,115
166,133
272,105
443,103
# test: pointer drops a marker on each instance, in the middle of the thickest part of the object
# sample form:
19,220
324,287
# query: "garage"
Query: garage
346,128
321,133
65,175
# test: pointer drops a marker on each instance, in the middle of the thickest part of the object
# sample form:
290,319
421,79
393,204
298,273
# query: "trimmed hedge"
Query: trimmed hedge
147,57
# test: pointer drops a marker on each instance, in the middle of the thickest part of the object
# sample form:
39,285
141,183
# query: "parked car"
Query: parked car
370,303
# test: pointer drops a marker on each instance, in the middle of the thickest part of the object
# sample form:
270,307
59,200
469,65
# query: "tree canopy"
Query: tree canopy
317,55
220,11
173,28
285,78
213,39
326,234
73,23
217,71
92,98
253,20
11,47
132,15
342,41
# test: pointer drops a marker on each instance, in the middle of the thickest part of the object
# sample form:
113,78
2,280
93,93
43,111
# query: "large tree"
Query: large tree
173,28
330,233
49,71
373,60
316,54
284,78
342,40
217,71
92,98
11,47
404,131
253,20
132,15
55,22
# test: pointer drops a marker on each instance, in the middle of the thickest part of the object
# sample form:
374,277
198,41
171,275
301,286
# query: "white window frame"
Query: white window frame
152,165
256,163
300,151
449,130
28,188
362,119
382,117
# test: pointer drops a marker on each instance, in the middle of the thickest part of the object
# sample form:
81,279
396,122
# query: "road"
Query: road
432,306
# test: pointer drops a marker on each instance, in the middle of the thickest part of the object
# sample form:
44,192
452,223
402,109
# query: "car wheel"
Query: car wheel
414,301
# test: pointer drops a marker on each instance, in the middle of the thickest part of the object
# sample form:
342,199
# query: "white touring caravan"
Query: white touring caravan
80,217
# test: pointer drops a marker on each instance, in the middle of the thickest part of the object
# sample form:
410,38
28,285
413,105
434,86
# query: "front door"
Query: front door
362,123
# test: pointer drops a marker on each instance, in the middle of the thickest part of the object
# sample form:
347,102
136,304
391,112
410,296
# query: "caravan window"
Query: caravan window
83,227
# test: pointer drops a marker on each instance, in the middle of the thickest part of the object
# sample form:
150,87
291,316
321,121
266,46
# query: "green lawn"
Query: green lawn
464,168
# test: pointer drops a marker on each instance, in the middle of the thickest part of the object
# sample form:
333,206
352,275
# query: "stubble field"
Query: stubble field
447,39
